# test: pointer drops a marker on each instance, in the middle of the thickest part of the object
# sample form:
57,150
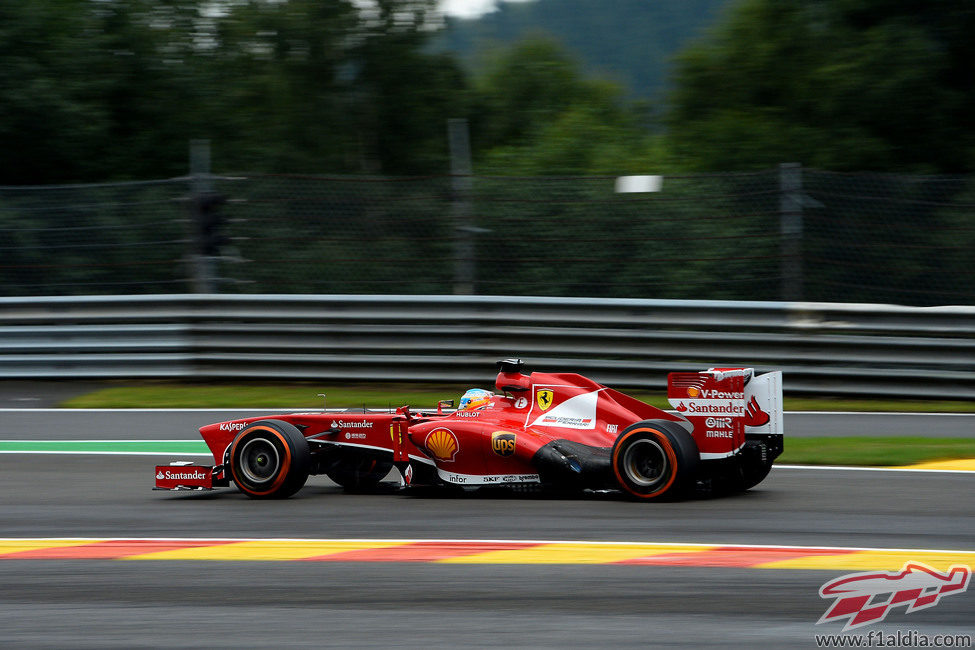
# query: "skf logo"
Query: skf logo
865,598
544,398
442,443
503,443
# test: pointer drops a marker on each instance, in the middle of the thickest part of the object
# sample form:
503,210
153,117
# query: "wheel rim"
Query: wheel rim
259,461
645,463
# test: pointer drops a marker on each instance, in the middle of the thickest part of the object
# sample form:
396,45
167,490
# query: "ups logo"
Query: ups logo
503,443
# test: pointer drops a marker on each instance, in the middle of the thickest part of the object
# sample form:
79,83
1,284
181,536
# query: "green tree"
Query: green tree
534,112
97,90
114,89
405,92
629,41
310,86
279,99
47,120
839,84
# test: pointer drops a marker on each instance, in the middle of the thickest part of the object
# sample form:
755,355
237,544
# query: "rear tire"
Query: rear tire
270,459
655,459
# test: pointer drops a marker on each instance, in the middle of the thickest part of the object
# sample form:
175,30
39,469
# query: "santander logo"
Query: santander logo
195,475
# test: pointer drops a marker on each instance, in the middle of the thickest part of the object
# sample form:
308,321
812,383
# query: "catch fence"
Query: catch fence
778,234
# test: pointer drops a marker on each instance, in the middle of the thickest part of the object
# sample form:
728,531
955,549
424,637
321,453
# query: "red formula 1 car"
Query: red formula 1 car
558,430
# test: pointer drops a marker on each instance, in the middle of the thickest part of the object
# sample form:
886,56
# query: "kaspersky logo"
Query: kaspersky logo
866,598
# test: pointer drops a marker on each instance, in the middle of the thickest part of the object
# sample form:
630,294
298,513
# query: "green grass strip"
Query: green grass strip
875,452
253,396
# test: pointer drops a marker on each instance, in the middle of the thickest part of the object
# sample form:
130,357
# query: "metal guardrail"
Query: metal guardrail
823,348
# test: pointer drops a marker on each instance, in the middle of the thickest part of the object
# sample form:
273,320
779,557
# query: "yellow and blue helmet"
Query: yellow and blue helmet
475,398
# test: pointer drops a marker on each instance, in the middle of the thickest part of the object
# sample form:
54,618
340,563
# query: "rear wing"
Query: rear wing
724,405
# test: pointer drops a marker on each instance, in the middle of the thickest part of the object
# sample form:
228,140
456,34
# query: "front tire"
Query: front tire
655,459
270,459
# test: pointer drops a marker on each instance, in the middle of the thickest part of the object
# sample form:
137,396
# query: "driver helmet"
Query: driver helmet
475,398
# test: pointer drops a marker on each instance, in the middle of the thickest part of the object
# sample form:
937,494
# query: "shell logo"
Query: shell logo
693,391
442,443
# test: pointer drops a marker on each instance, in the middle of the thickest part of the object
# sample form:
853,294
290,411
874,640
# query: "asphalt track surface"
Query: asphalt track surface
167,604
121,424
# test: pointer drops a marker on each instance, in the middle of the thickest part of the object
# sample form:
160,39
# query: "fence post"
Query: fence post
790,220
200,184
461,185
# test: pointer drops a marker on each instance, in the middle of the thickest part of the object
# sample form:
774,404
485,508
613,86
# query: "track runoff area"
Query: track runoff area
480,552
454,551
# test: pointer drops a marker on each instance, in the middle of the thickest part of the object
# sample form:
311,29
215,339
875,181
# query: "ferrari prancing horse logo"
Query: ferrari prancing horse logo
544,398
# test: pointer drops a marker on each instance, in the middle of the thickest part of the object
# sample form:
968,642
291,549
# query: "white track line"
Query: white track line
376,540
854,468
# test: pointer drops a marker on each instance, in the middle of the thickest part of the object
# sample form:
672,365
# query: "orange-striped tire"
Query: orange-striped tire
269,459
655,459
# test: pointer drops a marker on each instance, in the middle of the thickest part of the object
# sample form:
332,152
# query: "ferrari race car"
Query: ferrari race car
554,430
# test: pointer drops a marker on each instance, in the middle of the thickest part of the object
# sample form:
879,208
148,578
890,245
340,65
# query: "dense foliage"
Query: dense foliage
837,84
629,41
107,89
110,90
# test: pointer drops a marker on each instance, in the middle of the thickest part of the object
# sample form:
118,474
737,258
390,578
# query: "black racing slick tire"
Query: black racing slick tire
654,460
270,459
